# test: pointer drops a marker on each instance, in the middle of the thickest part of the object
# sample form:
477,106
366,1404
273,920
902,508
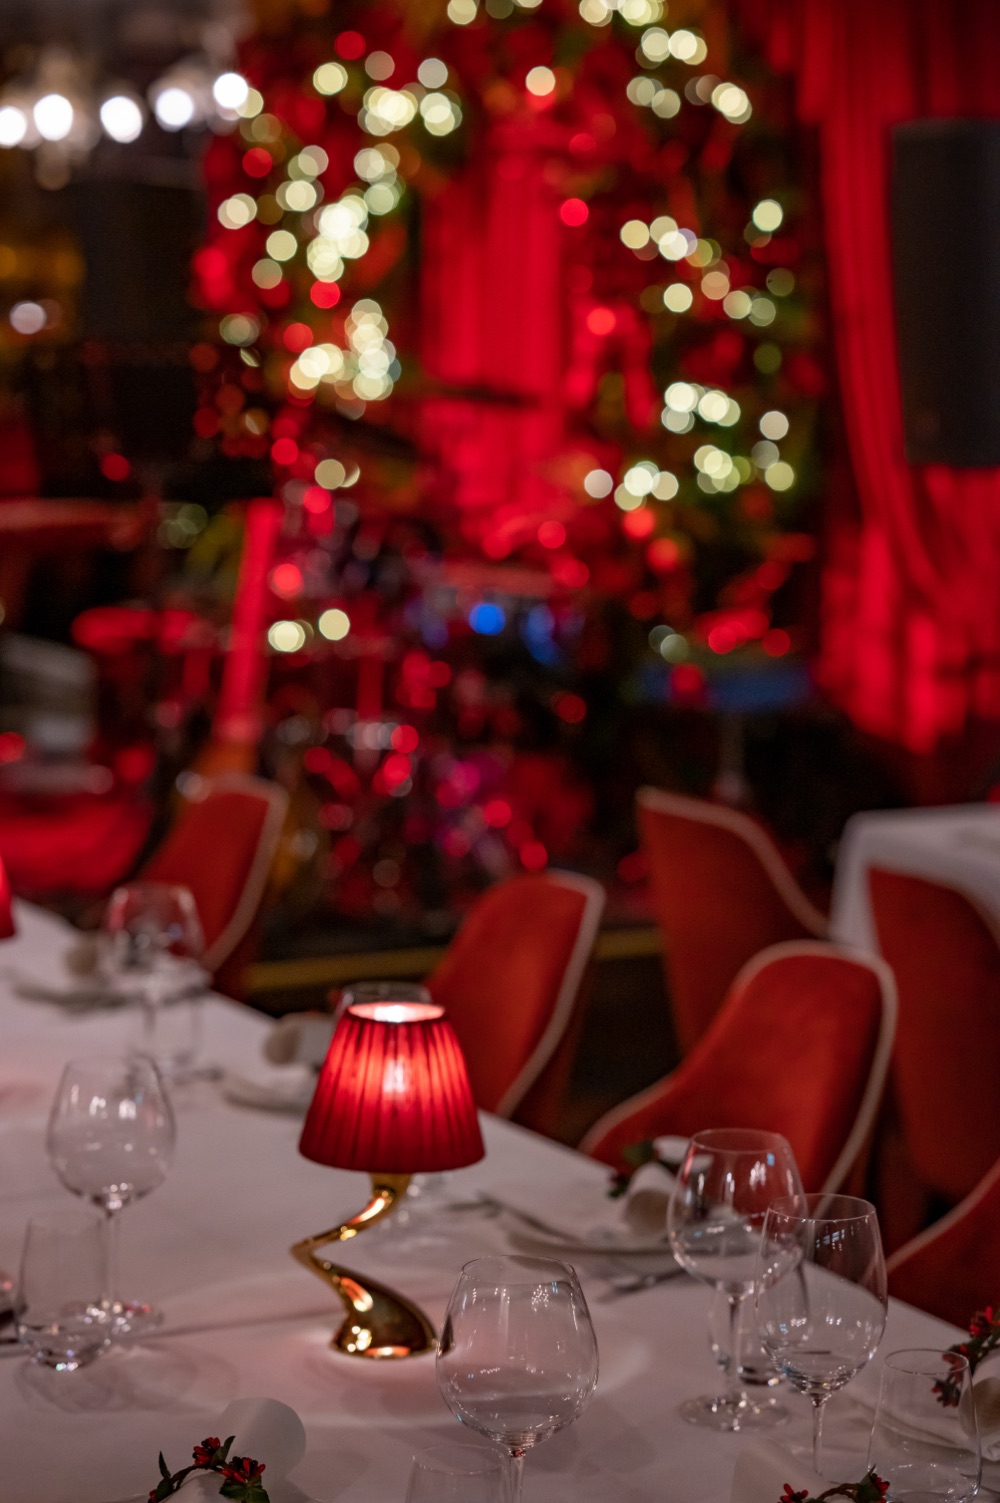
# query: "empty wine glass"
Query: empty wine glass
154,943
111,1139
820,1292
457,1474
723,1189
518,1355
925,1439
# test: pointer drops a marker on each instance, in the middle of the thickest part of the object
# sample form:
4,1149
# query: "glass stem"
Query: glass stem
736,1394
515,1474
111,1241
818,1401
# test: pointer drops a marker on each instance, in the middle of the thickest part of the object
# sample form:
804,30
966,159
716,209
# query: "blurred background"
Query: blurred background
465,413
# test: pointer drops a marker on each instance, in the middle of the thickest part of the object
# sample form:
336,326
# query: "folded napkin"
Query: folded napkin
300,1038
264,1429
273,1088
762,1469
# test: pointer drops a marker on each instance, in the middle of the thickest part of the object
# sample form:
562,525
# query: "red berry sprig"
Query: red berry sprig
241,1474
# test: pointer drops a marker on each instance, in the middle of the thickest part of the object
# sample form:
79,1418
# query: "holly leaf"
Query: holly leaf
871,1489
165,1489
244,1492
638,1154
222,1454
164,1469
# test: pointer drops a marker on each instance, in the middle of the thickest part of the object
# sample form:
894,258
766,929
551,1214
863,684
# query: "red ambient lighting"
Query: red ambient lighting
286,580
574,212
601,321
325,294
349,45
115,467
393,1095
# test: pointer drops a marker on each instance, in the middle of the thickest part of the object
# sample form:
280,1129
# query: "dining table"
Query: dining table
210,1246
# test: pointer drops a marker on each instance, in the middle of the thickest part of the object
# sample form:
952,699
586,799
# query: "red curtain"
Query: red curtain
911,611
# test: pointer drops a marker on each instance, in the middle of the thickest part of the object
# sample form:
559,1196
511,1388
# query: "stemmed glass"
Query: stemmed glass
154,944
820,1292
723,1189
111,1139
518,1356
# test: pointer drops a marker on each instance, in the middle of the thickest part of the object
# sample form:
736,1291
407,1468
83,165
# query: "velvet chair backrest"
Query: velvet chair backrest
6,915
511,976
951,1269
801,1046
221,846
946,1059
721,894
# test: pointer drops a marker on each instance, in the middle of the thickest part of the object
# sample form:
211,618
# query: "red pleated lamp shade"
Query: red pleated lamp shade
6,916
393,1094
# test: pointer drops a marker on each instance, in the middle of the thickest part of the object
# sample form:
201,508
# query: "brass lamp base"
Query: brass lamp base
378,1323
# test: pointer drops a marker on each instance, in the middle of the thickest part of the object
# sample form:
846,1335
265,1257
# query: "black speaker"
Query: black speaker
945,214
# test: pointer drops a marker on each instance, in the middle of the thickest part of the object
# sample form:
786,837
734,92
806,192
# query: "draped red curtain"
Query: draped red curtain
910,643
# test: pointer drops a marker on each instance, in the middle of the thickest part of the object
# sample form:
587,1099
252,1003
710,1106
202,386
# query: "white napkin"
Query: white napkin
300,1038
763,1468
275,1088
265,1429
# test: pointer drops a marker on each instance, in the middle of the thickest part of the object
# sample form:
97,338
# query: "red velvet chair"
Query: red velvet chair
953,1268
801,1046
721,893
510,980
7,929
942,1134
222,846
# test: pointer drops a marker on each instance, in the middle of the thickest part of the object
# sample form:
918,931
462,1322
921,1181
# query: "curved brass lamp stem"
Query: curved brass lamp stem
378,1322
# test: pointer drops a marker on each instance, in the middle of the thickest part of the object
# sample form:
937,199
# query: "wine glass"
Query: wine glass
111,1139
154,943
820,1292
925,1438
721,1194
518,1356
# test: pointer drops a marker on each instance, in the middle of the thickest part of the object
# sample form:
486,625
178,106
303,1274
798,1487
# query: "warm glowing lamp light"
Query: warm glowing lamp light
393,1099
6,916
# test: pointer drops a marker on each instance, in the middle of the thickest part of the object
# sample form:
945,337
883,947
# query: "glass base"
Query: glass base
133,1318
720,1412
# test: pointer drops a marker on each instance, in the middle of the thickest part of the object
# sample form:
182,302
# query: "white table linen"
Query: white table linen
958,846
242,1318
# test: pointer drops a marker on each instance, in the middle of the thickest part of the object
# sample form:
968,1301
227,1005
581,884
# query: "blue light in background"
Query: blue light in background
537,630
487,619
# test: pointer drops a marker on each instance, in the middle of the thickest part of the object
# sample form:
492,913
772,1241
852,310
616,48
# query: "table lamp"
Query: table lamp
6,916
393,1099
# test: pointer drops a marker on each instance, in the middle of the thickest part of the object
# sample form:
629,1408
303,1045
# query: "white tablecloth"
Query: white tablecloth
242,1318
958,846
